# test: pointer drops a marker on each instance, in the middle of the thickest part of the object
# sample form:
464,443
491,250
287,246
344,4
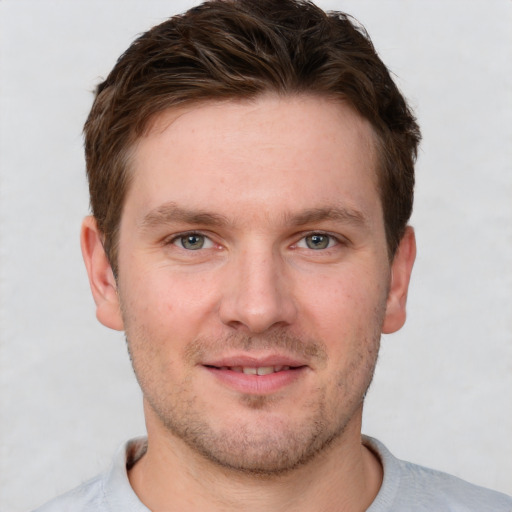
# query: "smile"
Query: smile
251,379
260,370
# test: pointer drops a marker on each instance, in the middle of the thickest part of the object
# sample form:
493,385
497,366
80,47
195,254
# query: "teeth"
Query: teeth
261,370
265,370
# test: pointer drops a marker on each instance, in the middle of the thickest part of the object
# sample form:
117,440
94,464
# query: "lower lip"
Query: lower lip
257,384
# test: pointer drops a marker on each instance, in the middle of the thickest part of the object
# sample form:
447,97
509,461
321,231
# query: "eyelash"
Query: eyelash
332,240
180,236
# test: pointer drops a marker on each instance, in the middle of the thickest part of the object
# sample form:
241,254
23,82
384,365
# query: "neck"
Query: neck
172,477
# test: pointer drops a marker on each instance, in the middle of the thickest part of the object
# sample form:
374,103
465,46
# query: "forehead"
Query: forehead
271,152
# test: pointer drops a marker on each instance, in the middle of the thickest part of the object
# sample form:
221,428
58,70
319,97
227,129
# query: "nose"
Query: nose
258,293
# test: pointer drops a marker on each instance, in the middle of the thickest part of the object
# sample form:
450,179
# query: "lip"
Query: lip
255,361
267,384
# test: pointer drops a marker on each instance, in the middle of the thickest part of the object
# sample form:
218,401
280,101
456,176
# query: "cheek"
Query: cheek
166,311
156,293
348,318
339,307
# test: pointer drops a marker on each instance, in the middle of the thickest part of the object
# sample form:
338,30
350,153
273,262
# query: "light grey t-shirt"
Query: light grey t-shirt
406,488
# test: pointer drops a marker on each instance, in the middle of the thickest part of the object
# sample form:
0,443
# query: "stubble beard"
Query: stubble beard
262,448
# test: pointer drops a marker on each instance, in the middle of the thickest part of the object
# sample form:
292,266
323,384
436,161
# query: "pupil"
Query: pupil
193,242
317,241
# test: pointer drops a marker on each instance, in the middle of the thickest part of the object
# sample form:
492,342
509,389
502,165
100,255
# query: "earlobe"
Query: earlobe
401,269
101,277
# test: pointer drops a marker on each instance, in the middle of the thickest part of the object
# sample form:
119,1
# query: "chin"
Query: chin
264,444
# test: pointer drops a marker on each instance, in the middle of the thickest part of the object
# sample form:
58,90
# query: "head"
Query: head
241,49
251,175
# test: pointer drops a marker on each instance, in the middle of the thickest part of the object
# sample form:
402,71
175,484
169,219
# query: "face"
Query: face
254,281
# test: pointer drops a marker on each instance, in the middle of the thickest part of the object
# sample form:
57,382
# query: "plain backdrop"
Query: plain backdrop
442,395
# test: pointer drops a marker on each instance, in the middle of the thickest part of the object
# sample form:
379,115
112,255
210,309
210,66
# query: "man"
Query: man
251,171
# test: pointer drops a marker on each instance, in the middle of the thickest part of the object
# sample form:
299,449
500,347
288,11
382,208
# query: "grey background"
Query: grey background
442,395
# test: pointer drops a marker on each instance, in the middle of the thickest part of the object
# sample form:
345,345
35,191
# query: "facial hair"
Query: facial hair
262,443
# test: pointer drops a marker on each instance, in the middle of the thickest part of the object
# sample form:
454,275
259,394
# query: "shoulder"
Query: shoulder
109,491
449,491
408,486
87,497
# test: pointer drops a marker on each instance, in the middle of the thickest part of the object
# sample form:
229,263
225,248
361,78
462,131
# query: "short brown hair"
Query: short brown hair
232,49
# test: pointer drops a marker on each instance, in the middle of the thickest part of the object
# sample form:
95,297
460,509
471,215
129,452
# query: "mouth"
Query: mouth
260,377
255,370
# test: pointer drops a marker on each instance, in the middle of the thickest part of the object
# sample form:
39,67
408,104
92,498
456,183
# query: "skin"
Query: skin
293,270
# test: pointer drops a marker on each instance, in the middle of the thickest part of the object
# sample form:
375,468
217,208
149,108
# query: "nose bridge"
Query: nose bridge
257,295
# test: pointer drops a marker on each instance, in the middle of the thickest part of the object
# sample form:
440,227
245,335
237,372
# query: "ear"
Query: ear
401,269
101,278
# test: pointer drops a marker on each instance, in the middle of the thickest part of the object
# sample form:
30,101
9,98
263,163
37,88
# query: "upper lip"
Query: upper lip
249,361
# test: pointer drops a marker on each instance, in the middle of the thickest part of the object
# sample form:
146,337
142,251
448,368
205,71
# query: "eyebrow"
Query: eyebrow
338,213
171,212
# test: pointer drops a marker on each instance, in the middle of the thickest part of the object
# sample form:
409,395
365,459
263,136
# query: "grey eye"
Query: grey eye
192,242
318,241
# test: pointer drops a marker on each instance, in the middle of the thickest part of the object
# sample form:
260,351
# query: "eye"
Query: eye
193,241
317,241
